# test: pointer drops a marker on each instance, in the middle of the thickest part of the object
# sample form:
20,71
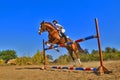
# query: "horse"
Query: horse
54,38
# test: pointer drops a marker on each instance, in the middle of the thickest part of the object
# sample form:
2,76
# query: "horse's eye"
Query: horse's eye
41,26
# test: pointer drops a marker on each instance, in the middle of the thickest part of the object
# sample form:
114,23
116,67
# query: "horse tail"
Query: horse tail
79,48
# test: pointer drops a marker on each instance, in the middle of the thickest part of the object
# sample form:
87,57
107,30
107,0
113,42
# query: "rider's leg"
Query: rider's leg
63,35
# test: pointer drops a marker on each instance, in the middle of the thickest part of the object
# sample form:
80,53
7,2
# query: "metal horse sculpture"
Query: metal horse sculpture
54,38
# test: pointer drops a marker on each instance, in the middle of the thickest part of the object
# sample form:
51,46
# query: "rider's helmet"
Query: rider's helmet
55,21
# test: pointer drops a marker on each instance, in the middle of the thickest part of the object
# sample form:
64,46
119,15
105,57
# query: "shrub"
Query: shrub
2,62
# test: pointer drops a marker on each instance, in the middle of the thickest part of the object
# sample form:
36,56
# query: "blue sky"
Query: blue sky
20,19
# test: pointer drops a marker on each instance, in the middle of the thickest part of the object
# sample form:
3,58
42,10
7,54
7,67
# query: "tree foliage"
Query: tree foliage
108,54
8,54
2,61
110,50
37,58
24,60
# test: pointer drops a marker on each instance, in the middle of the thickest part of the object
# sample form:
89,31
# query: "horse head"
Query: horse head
41,28
46,26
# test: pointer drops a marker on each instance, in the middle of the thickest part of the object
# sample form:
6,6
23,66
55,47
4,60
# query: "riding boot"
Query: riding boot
63,35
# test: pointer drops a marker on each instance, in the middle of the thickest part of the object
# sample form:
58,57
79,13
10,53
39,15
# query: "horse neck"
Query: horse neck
49,28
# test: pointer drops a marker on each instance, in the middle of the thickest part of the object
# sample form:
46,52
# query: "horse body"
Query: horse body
54,38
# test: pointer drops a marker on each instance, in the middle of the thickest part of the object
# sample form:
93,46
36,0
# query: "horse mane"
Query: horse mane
51,24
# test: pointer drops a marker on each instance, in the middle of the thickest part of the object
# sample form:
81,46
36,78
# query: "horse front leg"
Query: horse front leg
50,45
55,42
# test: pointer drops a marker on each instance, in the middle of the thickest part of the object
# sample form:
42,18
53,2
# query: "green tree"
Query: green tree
23,60
63,59
114,50
38,58
108,50
8,54
86,51
94,51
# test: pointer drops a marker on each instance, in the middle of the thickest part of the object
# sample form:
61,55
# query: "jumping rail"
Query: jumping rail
74,68
68,43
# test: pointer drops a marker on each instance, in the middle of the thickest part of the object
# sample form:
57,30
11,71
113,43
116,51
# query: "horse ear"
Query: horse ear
42,22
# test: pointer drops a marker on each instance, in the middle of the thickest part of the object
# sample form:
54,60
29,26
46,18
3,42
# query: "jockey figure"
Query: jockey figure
60,29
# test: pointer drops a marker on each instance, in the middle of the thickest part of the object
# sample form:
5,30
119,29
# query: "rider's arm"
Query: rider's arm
59,26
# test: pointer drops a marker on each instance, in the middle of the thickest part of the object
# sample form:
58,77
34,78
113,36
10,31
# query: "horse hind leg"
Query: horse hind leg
79,61
71,54
77,49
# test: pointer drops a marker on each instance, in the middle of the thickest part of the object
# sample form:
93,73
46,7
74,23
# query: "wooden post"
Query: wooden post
44,55
101,69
